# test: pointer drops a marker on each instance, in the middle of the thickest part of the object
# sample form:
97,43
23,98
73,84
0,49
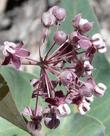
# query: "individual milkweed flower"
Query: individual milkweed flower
68,76
99,43
100,89
88,68
84,107
81,24
86,90
36,117
13,53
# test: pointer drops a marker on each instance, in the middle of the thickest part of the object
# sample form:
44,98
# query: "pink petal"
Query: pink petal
27,111
16,61
22,53
85,44
6,60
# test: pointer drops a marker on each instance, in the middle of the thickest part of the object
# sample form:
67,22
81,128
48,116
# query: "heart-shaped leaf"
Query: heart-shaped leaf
15,94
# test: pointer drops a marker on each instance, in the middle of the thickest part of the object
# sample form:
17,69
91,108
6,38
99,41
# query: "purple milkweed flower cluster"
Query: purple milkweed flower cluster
71,65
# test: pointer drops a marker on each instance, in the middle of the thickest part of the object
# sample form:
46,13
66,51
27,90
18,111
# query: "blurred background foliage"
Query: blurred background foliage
19,22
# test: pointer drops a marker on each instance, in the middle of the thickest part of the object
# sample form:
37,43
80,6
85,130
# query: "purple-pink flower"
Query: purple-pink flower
13,53
81,24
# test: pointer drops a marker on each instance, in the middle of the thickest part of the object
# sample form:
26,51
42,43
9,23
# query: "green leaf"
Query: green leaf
19,87
15,94
9,111
8,129
77,125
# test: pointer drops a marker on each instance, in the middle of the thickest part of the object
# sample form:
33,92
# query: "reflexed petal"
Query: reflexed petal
27,111
6,60
16,61
39,111
22,53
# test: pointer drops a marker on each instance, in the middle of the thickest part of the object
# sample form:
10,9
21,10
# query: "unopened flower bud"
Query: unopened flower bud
48,19
59,13
51,121
60,37
52,8
85,25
